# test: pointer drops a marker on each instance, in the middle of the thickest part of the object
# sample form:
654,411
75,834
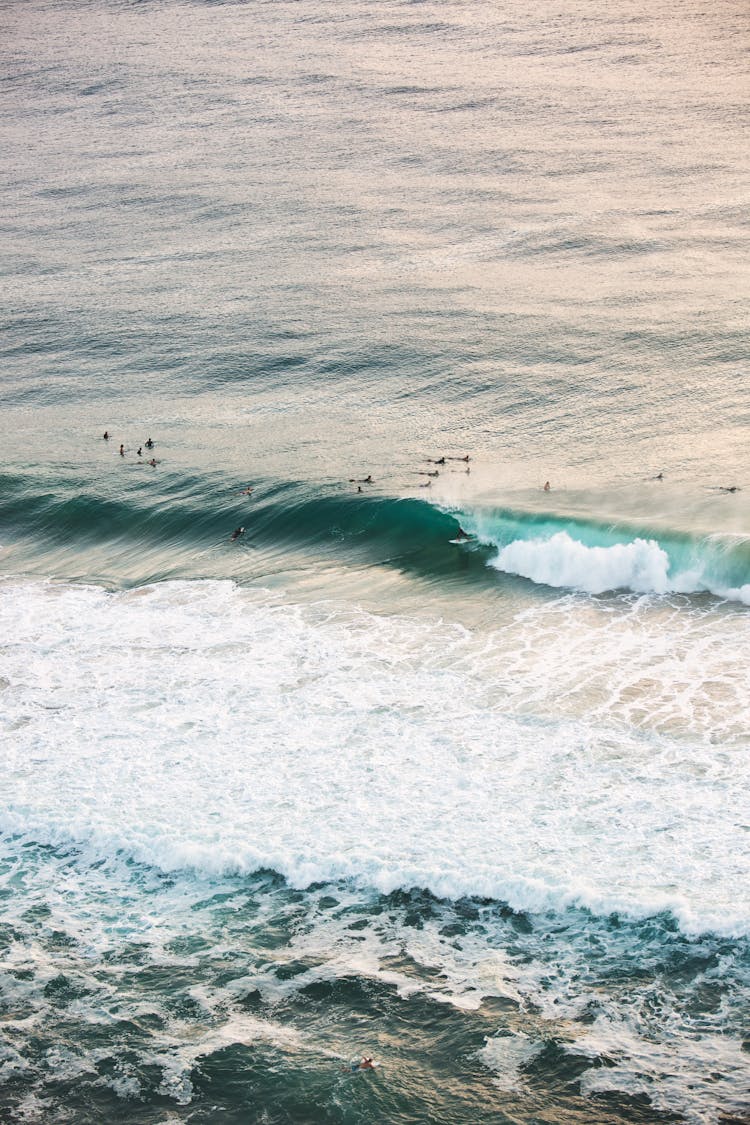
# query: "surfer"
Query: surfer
245,491
461,534
149,444
153,462
122,450
439,461
365,1063
140,450
734,488
466,458
364,480
425,473
106,435
238,531
546,486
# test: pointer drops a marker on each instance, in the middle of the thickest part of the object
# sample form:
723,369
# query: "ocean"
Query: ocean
430,763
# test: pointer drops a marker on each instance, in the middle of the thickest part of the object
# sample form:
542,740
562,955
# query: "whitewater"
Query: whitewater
528,764
432,764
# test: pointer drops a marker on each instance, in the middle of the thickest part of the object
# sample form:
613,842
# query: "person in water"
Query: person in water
546,486
122,450
106,435
153,462
140,451
439,461
365,1063
461,534
238,531
149,444
364,480
245,491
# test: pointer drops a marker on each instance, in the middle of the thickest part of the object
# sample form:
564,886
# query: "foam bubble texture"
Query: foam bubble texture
198,725
641,565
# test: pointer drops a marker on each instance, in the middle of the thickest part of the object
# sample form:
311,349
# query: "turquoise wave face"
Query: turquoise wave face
181,517
187,523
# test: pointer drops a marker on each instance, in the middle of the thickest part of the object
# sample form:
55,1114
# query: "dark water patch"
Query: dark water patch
105,86
588,245
555,1063
637,1108
416,91
400,30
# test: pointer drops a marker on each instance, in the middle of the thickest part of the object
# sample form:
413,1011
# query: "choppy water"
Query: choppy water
350,785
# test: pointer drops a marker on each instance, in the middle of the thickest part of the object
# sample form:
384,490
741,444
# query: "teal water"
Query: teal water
351,784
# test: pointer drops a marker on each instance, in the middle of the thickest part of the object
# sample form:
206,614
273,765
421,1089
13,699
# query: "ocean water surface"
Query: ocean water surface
428,764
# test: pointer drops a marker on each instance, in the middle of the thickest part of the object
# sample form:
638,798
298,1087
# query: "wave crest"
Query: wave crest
642,565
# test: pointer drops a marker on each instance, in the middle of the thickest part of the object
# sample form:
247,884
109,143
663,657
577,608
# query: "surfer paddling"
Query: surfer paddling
238,531
363,480
365,1063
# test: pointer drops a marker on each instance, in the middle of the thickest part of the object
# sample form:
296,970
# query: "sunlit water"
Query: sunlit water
351,783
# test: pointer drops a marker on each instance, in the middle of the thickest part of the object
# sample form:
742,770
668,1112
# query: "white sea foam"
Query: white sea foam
640,565
197,725
713,1067
505,1055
